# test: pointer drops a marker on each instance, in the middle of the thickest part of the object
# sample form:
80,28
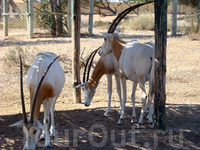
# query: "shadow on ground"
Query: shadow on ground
87,129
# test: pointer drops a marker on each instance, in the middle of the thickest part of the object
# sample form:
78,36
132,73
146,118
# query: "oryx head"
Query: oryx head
88,86
107,45
88,92
31,127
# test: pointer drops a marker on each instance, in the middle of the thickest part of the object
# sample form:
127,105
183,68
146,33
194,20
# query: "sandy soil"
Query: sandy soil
182,102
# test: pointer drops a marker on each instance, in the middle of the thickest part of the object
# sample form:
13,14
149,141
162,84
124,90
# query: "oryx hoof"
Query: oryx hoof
105,115
120,122
133,120
151,125
48,146
139,126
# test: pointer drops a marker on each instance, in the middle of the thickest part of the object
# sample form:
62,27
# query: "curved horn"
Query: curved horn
89,67
122,15
38,88
22,93
87,64
111,29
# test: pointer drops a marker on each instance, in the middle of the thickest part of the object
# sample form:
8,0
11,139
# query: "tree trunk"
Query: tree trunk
75,13
57,18
160,65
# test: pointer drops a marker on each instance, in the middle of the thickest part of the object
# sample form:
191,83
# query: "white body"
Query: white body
48,93
136,63
106,65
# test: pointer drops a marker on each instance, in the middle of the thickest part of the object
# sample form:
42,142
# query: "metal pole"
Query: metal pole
160,64
27,11
30,19
75,14
90,28
174,17
5,18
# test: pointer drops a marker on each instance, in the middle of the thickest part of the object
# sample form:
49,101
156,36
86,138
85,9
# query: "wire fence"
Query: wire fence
57,24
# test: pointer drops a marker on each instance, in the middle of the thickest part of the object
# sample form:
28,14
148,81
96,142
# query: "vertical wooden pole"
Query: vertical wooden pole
160,65
69,18
90,28
174,17
75,13
30,19
5,18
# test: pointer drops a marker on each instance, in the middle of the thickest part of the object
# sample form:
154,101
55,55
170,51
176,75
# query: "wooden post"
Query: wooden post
30,19
160,64
174,17
90,28
75,13
69,18
5,18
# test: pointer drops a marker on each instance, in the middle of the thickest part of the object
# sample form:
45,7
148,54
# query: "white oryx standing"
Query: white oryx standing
44,89
136,62
106,65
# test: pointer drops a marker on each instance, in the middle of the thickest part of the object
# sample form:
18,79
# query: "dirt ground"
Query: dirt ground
80,127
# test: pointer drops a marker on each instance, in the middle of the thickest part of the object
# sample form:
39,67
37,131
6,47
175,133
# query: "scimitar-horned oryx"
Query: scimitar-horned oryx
45,85
136,63
106,65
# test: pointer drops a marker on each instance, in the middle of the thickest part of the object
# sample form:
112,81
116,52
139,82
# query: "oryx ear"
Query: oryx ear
38,124
105,34
19,123
80,85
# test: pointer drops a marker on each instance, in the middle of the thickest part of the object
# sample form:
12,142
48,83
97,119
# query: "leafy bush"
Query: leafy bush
11,58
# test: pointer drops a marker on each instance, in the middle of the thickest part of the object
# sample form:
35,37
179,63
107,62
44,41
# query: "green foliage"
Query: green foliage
46,19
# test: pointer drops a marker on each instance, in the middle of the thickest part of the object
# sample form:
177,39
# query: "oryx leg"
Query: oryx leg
52,128
45,132
117,78
123,80
134,117
144,97
151,110
109,80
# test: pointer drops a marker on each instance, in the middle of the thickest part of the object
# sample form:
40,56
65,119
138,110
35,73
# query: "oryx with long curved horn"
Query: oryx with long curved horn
136,63
45,79
106,65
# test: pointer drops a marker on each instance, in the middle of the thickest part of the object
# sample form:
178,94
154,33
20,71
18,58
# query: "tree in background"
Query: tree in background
49,18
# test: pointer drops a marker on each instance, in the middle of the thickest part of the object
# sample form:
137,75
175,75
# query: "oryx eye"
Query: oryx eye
105,39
